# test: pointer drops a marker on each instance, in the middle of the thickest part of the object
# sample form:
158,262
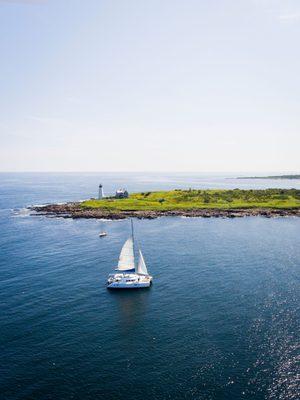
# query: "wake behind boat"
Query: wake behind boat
129,276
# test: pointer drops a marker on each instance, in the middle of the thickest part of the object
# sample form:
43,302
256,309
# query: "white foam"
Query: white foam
21,212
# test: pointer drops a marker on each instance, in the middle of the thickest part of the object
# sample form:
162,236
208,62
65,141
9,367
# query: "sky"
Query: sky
160,85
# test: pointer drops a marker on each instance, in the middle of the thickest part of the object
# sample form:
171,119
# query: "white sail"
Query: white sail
126,259
142,269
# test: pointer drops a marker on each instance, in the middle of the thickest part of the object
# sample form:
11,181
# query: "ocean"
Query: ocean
221,321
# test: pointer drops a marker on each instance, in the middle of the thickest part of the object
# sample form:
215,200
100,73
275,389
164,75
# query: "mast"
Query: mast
132,236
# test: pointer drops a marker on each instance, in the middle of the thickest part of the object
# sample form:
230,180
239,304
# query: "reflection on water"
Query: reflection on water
131,306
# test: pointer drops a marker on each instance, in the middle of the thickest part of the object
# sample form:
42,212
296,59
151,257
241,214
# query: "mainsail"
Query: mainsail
141,269
126,259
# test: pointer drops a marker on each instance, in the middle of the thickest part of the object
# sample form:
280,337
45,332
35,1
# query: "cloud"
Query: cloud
49,120
24,1
292,17
74,100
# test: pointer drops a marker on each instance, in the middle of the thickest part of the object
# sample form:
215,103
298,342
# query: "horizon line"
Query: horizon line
149,172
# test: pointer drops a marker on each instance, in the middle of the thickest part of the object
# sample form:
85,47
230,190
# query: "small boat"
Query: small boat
130,276
102,234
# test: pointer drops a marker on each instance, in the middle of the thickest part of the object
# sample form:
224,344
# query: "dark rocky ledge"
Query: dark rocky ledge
74,210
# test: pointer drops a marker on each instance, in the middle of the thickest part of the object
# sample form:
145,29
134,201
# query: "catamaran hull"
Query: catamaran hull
128,281
116,285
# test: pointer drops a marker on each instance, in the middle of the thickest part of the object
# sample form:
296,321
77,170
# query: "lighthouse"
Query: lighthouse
100,195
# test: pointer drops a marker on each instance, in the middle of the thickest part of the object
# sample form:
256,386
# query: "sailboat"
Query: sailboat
130,276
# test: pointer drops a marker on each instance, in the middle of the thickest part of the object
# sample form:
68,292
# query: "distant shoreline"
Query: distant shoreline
270,177
75,211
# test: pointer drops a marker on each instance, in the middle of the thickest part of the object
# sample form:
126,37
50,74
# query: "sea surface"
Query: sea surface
221,320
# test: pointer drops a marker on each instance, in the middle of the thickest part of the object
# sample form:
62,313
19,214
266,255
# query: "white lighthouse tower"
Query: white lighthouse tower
101,194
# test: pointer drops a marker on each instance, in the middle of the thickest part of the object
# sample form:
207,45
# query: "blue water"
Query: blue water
221,320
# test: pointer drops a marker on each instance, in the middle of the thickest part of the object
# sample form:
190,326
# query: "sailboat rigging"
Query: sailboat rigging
130,276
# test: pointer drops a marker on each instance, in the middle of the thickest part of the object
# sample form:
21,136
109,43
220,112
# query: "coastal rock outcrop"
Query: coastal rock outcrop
75,210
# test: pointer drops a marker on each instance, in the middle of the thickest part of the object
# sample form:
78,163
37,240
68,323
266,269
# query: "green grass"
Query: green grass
200,199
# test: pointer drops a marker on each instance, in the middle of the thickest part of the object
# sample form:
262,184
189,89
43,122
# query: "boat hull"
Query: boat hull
128,281
117,285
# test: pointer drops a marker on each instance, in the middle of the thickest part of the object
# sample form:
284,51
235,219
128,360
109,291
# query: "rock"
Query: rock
74,210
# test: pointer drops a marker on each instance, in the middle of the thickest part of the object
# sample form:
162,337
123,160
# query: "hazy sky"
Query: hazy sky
150,85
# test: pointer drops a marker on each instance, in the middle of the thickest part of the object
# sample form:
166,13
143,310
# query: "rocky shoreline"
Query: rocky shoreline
74,210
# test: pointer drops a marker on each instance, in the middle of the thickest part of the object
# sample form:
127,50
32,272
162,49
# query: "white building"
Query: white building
121,194
100,194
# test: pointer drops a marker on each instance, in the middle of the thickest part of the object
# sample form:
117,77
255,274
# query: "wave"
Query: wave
20,212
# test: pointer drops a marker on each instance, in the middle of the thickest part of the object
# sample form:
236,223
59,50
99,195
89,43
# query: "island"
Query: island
187,203
270,177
